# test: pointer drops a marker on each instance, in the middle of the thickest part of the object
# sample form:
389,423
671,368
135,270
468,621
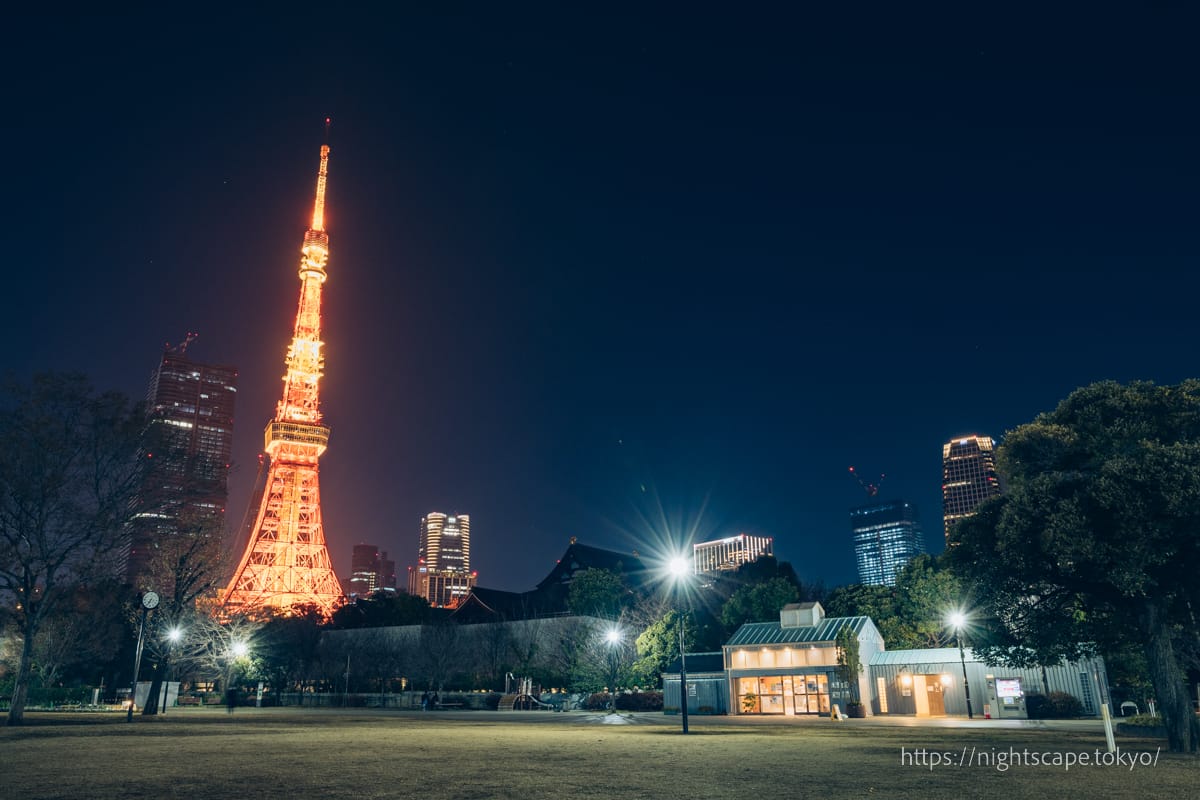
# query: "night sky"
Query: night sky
620,275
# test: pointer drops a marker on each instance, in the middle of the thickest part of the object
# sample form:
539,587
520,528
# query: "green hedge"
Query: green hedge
1056,705
53,697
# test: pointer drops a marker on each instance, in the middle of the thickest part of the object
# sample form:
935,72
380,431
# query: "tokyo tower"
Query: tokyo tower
286,563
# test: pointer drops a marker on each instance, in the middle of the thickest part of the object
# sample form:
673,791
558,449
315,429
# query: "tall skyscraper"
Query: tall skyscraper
286,563
370,571
443,573
968,477
886,536
186,446
730,553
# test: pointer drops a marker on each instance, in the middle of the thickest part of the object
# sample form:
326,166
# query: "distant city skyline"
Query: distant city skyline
370,571
645,280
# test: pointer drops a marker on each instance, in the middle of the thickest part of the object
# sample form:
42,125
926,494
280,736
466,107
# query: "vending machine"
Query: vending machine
1006,698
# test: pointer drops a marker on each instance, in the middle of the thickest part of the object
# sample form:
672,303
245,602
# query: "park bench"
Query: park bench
189,701
449,705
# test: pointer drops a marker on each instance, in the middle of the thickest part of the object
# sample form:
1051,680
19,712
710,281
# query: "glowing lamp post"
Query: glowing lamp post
237,650
957,621
613,638
679,569
173,636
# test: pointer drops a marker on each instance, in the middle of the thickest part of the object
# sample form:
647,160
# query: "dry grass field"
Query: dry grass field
203,754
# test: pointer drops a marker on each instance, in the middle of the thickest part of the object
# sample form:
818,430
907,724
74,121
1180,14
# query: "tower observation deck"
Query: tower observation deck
286,563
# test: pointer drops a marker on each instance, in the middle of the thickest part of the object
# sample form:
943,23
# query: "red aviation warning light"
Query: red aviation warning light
871,489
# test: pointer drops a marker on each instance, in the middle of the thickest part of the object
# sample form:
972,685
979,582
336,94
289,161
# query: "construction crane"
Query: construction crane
182,347
871,489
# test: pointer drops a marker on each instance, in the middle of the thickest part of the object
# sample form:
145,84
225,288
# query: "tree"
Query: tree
381,610
68,468
85,630
441,650
863,600
849,664
758,602
226,649
1094,545
289,648
183,567
911,614
762,570
658,645
926,592
598,593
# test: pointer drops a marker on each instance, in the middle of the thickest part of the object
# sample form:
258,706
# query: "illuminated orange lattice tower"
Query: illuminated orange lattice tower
286,563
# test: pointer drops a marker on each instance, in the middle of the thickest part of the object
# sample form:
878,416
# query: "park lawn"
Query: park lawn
328,755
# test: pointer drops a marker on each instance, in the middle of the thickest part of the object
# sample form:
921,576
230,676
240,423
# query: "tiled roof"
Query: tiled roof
550,596
581,556
773,633
492,605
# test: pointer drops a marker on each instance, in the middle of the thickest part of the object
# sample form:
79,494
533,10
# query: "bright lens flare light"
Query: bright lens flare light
958,620
239,649
174,634
678,566
613,636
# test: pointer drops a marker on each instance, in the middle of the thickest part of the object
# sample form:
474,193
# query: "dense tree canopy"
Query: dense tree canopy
598,593
659,644
758,602
382,609
1095,543
912,614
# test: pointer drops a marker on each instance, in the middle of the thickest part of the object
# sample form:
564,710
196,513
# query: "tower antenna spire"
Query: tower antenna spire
318,218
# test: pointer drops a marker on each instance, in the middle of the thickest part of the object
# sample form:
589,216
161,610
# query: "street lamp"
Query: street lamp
237,649
613,638
679,569
173,636
149,602
958,620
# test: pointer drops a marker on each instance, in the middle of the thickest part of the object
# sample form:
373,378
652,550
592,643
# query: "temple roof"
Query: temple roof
549,598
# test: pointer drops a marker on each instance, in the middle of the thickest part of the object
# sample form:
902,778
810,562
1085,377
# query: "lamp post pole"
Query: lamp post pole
962,657
683,711
679,567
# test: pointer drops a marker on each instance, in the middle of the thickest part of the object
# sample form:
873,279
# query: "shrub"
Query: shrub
1143,721
640,701
596,701
59,696
1056,705
626,701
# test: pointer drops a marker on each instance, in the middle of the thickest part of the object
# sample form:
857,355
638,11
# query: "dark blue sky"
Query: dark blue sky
591,273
